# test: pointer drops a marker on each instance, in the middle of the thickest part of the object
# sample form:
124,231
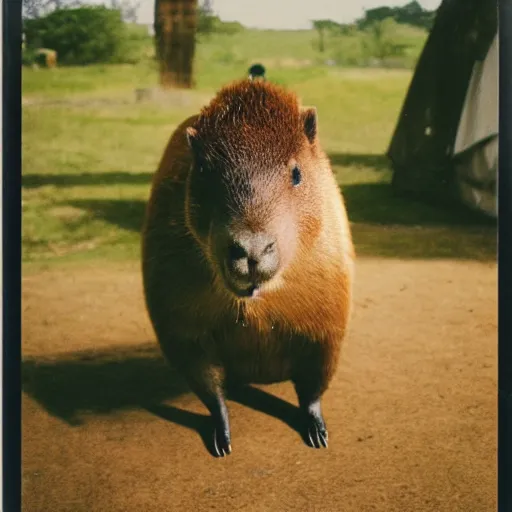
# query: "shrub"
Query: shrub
228,27
381,40
84,35
346,50
383,43
28,57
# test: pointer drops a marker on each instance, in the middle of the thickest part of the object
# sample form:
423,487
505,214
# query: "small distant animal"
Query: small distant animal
257,71
247,256
44,57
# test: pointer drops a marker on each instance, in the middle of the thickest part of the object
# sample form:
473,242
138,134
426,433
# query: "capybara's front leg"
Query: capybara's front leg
214,400
313,372
314,427
206,379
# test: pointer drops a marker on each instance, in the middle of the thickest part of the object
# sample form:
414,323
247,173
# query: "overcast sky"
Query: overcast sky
288,14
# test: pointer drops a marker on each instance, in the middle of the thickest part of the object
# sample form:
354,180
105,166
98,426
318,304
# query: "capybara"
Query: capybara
247,254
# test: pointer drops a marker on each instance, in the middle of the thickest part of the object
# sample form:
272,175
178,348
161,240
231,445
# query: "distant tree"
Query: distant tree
322,27
411,14
348,29
83,35
32,8
414,14
37,8
380,41
227,27
129,9
375,15
412,8
175,34
208,22
205,18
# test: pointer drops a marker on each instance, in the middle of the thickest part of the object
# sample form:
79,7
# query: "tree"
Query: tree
175,31
129,9
380,41
206,18
323,26
37,8
410,14
80,36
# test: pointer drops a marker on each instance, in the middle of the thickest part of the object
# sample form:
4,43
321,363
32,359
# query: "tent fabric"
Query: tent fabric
476,177
476,144
479,119
422,147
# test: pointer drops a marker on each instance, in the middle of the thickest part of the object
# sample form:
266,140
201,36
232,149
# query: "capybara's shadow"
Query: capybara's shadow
264,402
246,395
85,179
95,382
201,423
76,385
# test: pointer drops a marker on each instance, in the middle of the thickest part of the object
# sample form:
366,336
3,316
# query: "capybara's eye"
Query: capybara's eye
296,176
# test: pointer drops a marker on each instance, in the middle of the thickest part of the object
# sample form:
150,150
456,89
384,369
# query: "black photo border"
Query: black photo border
11,254
11,257
505,260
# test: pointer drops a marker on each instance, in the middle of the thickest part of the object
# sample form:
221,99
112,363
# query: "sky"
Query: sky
288,14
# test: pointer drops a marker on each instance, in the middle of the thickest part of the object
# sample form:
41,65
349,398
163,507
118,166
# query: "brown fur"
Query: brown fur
255,132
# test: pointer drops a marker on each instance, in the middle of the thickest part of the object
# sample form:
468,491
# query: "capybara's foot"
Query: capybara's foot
221,442
315,432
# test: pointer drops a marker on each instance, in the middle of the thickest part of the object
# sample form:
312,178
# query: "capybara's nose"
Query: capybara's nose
253,258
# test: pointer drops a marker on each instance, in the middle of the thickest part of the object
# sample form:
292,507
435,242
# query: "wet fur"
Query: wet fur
294,331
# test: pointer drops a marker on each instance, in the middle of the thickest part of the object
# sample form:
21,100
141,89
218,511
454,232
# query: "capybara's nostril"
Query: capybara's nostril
240,268
269,248
237,251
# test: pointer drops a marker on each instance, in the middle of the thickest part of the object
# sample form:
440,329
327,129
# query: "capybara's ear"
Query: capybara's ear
192,139
309,120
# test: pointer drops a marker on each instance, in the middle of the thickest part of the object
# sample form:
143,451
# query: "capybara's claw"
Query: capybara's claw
221,443
316,433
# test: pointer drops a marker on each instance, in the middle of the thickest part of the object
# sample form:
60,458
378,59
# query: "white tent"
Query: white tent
445,143
476,144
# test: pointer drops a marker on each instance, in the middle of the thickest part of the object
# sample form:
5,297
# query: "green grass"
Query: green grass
89,151
291,57
87,79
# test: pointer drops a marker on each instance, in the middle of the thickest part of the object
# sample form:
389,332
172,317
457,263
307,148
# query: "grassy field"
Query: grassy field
89,150
291,57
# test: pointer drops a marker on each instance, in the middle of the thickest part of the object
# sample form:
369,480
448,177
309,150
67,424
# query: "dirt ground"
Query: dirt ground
411,413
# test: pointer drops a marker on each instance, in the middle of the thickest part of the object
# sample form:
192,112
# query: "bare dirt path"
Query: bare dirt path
411,413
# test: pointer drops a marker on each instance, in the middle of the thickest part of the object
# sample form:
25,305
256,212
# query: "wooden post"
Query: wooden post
175,39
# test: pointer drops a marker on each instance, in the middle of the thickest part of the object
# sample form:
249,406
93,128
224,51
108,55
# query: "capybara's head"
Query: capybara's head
253,199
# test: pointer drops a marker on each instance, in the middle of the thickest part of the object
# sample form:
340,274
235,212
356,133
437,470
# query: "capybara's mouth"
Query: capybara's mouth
240,288
250,291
